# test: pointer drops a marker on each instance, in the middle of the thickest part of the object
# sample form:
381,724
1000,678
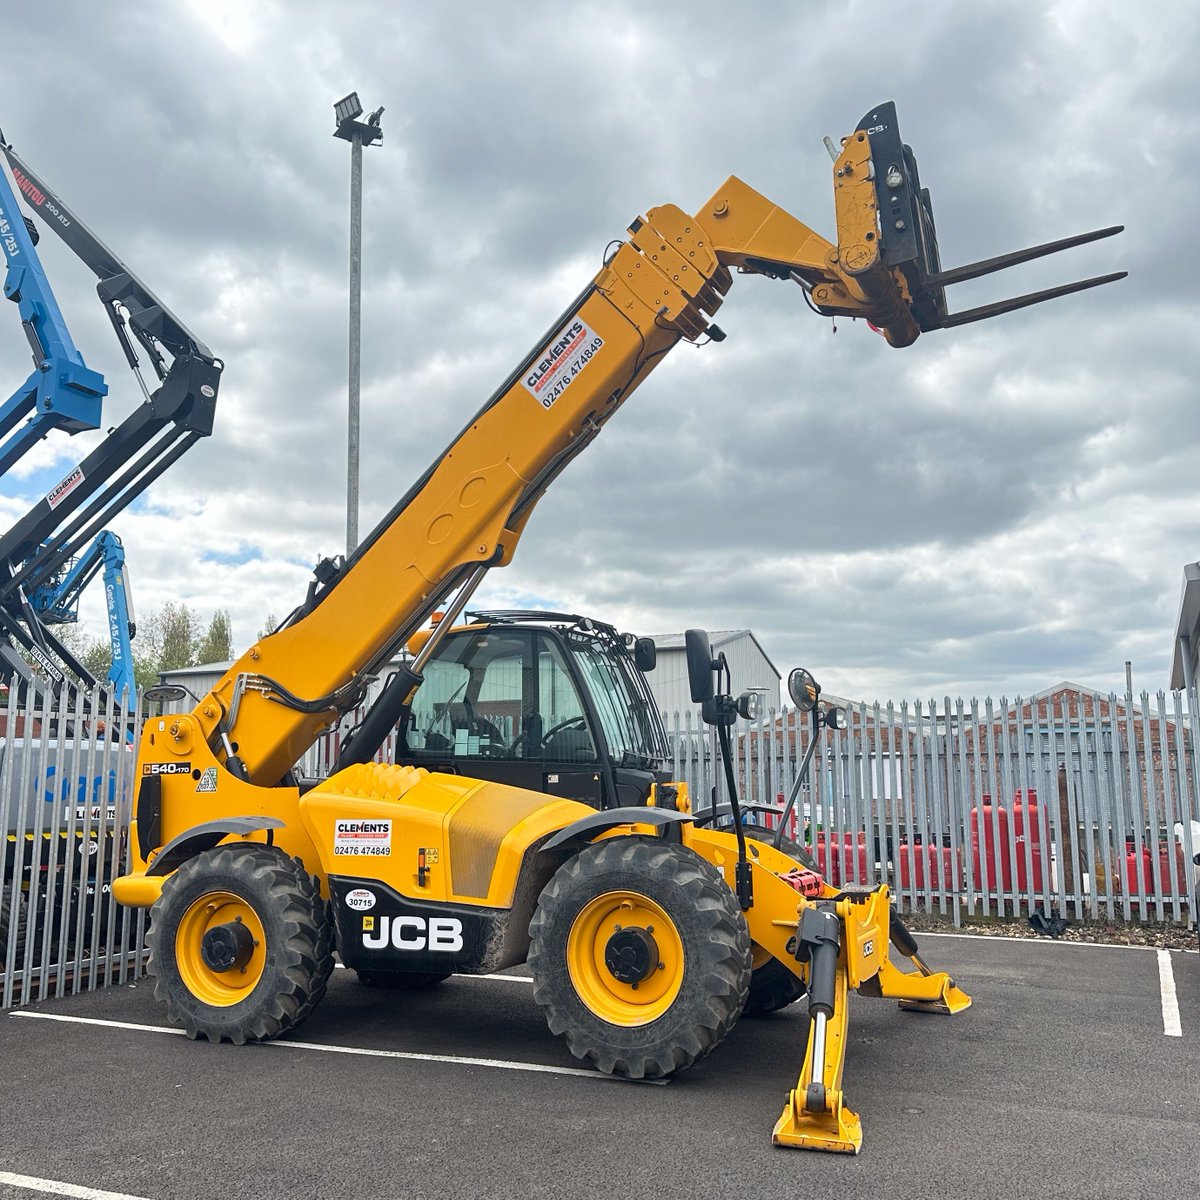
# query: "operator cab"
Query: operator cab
552,702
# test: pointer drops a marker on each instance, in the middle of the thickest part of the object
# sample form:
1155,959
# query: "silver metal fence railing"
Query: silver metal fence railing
1074,802
66,793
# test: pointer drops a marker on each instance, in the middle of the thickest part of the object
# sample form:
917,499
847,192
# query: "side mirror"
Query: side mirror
803,689
834,717
165,693
645,654
699,665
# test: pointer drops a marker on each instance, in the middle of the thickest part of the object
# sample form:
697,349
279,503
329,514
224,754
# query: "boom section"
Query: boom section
470,508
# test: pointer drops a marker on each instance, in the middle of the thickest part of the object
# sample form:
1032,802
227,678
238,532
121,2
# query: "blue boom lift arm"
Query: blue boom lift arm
61,392
57,602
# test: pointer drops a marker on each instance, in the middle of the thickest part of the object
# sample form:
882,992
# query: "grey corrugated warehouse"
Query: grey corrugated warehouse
749,667
198,680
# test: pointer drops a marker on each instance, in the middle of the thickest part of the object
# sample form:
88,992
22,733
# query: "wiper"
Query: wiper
630,758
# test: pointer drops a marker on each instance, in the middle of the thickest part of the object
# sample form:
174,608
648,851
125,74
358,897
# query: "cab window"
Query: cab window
499,694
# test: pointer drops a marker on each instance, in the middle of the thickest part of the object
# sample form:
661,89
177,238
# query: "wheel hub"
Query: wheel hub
226,947
631,955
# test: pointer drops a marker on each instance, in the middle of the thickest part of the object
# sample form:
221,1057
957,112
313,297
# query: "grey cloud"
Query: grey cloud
996,508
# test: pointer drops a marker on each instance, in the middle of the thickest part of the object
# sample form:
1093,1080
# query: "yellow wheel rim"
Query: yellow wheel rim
608,997
758,956
221,989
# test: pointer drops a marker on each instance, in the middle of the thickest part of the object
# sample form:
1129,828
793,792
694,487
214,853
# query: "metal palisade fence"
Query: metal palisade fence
66,787
1073,803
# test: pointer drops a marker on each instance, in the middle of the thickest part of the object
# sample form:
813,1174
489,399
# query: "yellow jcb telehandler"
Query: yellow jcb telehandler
640,929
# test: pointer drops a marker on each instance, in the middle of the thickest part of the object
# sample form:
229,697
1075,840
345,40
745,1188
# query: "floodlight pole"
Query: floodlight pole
358,134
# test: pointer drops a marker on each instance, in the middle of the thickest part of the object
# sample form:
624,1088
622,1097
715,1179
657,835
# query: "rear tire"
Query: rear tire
792,849
10,921
640,957
802,854
283,946
772,987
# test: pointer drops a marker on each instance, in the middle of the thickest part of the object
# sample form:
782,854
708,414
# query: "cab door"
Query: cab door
501,704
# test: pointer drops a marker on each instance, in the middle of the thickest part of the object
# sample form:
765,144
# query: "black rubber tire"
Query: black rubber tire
802,854
792,849
716,956
772,987
404,981
298,959
6,925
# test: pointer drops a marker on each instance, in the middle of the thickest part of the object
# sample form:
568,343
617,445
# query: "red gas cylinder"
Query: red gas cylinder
1146,881
990,833
1164,871
1138,880
841,858
940,862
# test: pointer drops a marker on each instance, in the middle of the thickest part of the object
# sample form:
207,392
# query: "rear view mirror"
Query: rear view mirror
699,664
645,654
803,689
834,717
165,693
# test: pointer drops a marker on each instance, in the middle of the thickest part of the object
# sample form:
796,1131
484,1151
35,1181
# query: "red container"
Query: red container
987,838
843,860
940,862
1146,883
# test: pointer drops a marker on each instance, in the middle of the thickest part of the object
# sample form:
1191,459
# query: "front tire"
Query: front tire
640,957
240,944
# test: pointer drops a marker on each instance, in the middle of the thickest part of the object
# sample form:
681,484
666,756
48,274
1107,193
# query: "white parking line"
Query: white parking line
453,1059
1170,1002
56,1188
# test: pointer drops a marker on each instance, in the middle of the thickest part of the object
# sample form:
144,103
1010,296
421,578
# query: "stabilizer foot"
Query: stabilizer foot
952,1000
839,1131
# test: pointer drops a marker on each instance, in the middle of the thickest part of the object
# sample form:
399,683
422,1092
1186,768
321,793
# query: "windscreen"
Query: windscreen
623,705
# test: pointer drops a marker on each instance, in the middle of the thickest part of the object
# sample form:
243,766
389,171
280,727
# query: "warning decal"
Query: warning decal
560,365
363,838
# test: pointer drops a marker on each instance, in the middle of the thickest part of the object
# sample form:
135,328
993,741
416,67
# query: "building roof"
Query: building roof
717,638
216,668
1187,624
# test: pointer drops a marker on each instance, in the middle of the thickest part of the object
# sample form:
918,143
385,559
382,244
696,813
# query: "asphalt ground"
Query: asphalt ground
1060,1081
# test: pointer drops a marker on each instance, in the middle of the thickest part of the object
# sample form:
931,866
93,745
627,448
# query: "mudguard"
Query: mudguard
586,828
204,837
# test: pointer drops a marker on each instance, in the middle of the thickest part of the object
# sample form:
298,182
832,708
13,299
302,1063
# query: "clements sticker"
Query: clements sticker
60,491
363,838
561,362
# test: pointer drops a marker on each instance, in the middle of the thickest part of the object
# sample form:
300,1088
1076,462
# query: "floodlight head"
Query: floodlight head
347,109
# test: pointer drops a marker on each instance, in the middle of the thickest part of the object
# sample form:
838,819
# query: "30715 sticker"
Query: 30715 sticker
572,348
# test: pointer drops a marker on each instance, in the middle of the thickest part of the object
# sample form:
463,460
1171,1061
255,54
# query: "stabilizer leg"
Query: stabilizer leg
924,990
816,1116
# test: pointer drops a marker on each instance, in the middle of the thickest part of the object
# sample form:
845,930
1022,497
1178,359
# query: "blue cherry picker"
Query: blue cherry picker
51,554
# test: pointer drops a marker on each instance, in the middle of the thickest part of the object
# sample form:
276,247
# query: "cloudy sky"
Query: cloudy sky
989,511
